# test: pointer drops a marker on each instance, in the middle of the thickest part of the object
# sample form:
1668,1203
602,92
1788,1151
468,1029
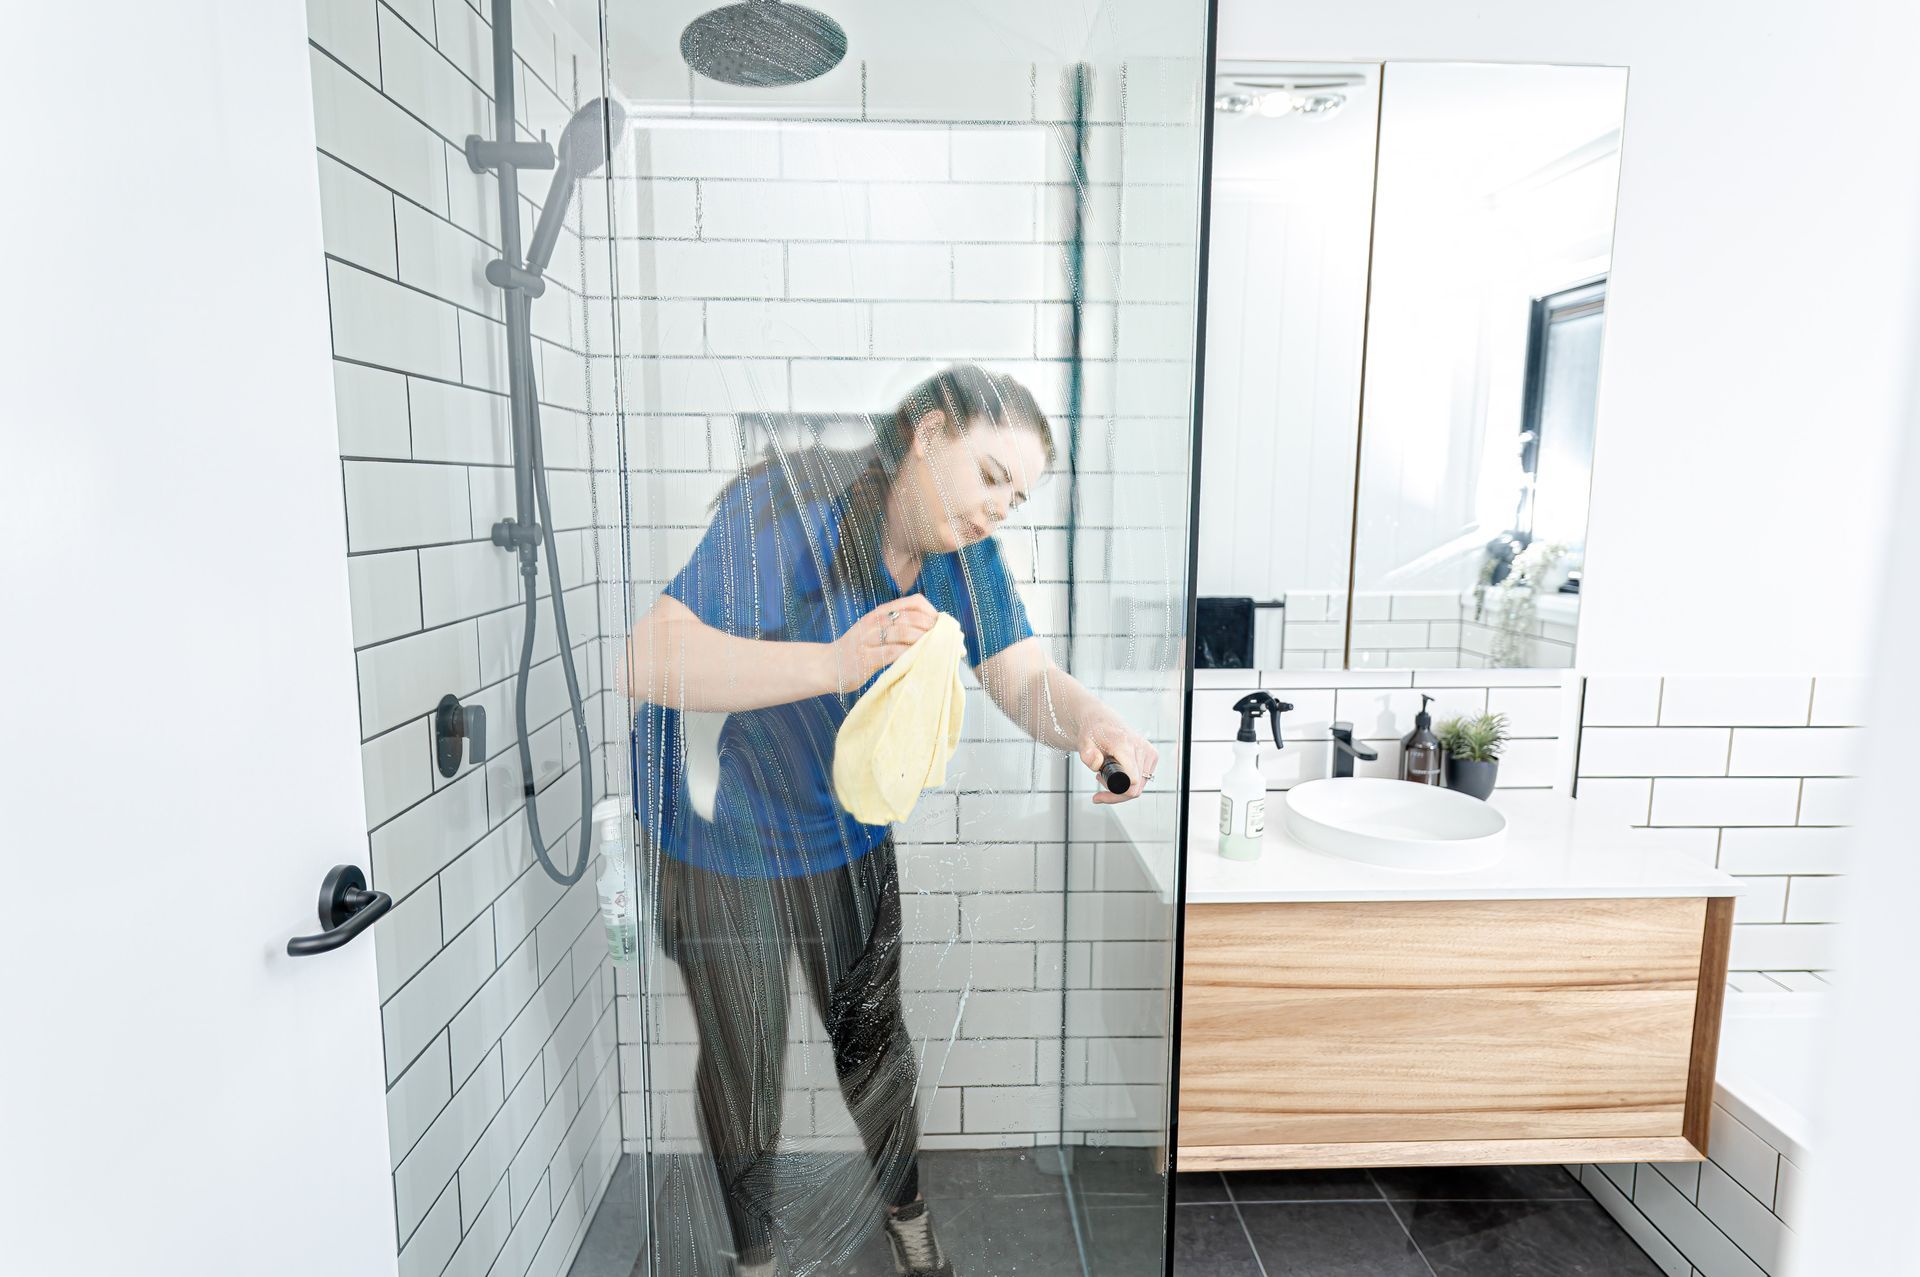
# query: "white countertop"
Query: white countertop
1554,851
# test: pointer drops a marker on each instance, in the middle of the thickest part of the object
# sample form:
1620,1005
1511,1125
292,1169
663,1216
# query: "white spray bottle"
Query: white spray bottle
619,902
1243,790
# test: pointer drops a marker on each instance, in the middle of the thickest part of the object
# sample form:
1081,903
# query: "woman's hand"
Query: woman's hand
1104,736
877,640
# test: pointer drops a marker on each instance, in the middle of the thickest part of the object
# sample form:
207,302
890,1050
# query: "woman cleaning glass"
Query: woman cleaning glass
820,569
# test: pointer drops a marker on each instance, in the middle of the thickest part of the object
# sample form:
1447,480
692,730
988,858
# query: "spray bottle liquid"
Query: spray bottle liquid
619,903
1243,790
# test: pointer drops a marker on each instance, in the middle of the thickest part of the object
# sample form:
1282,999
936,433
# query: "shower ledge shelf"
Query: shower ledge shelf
1561,1005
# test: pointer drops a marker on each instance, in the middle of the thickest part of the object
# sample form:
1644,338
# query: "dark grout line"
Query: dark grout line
1301,1201
1411,1201
1246,1232
1405,1201
1395,1212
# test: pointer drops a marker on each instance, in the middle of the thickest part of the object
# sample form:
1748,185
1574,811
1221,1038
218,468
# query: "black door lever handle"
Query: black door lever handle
346,909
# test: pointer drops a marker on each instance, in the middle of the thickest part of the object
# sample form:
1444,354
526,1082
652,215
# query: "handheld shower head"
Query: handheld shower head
584,141
763,44
584,144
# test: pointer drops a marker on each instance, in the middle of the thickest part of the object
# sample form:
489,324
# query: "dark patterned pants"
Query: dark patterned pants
731,938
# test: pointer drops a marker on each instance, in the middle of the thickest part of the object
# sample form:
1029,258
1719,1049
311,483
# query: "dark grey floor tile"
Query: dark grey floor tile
996,1210
1133,1172
1199,1186
1478,1183
617,1236
1028,1236
1302,1186
969,1173
1125,1240
1332,1239
1209,1242
1524,1239
690,1225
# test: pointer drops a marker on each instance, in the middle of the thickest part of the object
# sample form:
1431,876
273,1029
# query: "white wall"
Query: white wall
1859,1221
177,769
1757,318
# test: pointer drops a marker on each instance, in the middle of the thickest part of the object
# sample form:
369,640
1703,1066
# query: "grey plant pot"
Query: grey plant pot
1475,779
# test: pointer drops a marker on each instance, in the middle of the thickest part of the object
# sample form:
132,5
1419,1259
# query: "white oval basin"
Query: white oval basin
1396,823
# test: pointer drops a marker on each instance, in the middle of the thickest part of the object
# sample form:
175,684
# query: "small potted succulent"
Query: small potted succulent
1472,745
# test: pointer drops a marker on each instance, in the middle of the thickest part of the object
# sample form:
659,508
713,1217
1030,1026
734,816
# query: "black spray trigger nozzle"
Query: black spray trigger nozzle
1251,706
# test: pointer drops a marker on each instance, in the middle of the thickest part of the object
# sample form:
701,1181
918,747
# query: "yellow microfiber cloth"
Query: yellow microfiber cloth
898,737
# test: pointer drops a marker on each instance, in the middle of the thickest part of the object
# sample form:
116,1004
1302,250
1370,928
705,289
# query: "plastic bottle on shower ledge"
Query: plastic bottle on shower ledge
619,902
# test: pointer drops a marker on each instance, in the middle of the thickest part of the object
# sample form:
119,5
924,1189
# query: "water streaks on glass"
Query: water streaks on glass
902,349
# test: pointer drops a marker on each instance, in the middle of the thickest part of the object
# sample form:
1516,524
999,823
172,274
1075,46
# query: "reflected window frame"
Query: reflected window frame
1579,301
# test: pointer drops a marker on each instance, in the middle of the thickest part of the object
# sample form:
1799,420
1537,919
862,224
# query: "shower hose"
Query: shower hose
522,360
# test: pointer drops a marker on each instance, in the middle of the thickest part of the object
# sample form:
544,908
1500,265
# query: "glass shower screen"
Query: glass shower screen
901,354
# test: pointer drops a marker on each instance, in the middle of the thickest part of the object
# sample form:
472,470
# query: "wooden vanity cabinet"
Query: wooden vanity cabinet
1449,1032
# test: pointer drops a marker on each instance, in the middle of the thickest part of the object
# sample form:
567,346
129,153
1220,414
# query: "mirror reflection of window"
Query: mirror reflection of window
1563,391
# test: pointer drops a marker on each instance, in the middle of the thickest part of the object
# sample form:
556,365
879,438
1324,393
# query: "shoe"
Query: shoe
916,1251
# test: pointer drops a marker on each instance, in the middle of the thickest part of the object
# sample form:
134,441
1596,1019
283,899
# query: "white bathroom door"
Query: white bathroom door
179,760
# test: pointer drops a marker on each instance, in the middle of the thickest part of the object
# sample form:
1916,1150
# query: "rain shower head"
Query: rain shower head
763,44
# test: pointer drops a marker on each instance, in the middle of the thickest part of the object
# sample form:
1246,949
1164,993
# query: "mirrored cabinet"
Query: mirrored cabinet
1407,294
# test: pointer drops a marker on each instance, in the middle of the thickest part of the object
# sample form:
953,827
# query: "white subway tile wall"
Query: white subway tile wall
812,266
1409,629
1749,773
497,995
1381,704
1731,1216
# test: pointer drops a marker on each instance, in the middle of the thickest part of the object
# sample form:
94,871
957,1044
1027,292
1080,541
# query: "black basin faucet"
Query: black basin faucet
1346,749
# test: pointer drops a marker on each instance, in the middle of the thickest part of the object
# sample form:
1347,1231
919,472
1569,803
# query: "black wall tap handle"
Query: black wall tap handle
455,724
346,909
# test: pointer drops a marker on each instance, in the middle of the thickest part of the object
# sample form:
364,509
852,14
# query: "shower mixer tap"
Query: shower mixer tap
456,725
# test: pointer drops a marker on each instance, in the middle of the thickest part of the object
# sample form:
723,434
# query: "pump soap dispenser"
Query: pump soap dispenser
1420,752
1243,790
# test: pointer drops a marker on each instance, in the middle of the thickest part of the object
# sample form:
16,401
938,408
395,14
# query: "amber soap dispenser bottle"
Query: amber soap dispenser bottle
1420,757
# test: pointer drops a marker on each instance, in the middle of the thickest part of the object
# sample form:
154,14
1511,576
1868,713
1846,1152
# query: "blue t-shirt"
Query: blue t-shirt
766,573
